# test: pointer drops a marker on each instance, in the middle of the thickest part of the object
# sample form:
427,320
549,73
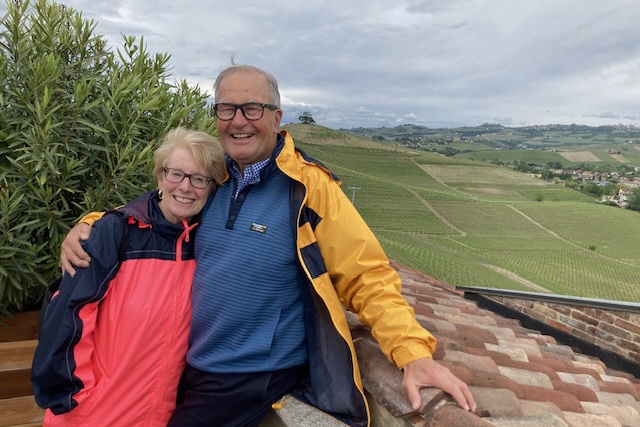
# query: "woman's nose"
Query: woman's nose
185,185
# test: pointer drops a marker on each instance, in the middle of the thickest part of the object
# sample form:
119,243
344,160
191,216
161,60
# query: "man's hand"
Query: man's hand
429,373
72,253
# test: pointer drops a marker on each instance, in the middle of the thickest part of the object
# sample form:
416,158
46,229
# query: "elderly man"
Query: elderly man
280,252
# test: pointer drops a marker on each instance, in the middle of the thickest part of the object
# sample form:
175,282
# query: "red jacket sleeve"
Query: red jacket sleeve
62,373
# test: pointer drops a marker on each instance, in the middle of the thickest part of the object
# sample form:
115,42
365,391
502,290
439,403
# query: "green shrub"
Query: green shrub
78,125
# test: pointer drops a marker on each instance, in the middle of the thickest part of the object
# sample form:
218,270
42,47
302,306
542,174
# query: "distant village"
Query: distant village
612,187
622,184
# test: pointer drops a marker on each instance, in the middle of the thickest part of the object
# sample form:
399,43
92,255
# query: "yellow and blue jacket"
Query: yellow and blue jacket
346,267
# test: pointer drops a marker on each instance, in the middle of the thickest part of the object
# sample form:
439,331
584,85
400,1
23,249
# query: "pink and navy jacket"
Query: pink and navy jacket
115,336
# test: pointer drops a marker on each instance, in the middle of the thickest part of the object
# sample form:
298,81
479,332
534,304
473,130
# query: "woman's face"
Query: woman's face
181,200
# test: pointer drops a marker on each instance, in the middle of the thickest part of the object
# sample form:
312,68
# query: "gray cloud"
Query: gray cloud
428,62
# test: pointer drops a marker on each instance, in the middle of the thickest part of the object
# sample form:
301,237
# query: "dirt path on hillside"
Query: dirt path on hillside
513,276
444,184
435,212
562,239
537,224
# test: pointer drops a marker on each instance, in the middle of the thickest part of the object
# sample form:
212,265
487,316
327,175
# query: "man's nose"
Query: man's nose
239,117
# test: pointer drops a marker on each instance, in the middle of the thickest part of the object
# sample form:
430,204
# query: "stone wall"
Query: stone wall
615,331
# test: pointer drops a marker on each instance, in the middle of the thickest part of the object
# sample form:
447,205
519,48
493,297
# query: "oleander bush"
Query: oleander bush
78,124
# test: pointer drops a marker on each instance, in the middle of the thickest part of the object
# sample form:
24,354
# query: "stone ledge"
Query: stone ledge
295,413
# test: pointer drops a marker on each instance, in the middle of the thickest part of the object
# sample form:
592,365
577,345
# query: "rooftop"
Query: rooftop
518,376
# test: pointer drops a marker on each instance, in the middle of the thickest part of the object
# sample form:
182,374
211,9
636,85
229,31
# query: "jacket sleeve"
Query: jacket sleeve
365,282
91,217
62,373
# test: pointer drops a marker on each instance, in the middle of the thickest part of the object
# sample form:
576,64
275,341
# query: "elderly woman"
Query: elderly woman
115,336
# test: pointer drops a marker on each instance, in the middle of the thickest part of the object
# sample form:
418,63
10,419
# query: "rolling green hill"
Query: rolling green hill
470,223
569,145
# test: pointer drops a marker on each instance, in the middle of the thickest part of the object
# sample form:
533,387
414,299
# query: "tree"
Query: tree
633,199
593,189
78,125
610,189
554,165
306,118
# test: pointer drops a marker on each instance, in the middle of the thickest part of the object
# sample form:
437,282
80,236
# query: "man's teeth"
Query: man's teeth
241,135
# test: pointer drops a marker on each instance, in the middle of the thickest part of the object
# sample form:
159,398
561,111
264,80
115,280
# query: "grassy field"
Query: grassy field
472,224
569,155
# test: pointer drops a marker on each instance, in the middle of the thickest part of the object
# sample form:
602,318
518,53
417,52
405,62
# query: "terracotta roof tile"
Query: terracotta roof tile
496,402
625,415
583,393
557,351
449,415
518,376
617,399
591,420
526,377
619,388
532,408
512,353
536,367
497,381
475,363
581,379
476,336
561,365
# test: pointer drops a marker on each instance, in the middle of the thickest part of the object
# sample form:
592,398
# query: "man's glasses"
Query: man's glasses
177,176
250,110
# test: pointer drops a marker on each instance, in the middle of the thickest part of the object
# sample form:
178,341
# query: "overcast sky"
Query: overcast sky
436,63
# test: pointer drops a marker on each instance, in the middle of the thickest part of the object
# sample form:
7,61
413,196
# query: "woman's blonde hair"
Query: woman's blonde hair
206,151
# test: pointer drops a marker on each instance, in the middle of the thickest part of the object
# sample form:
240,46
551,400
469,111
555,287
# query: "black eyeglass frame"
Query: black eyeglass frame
186,175
241,107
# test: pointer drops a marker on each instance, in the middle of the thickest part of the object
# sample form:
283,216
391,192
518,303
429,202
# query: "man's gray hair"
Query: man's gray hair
271,80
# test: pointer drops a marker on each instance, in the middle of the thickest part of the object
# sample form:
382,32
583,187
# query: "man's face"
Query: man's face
247,141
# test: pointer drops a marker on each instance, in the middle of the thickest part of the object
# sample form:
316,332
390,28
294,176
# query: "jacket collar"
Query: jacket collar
146,212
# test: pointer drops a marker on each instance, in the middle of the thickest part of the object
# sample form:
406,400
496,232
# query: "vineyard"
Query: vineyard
597,154
473,224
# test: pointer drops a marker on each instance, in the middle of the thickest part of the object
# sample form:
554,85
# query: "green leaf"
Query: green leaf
76,126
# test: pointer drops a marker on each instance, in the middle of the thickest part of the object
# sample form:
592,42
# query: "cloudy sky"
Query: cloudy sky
379,63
